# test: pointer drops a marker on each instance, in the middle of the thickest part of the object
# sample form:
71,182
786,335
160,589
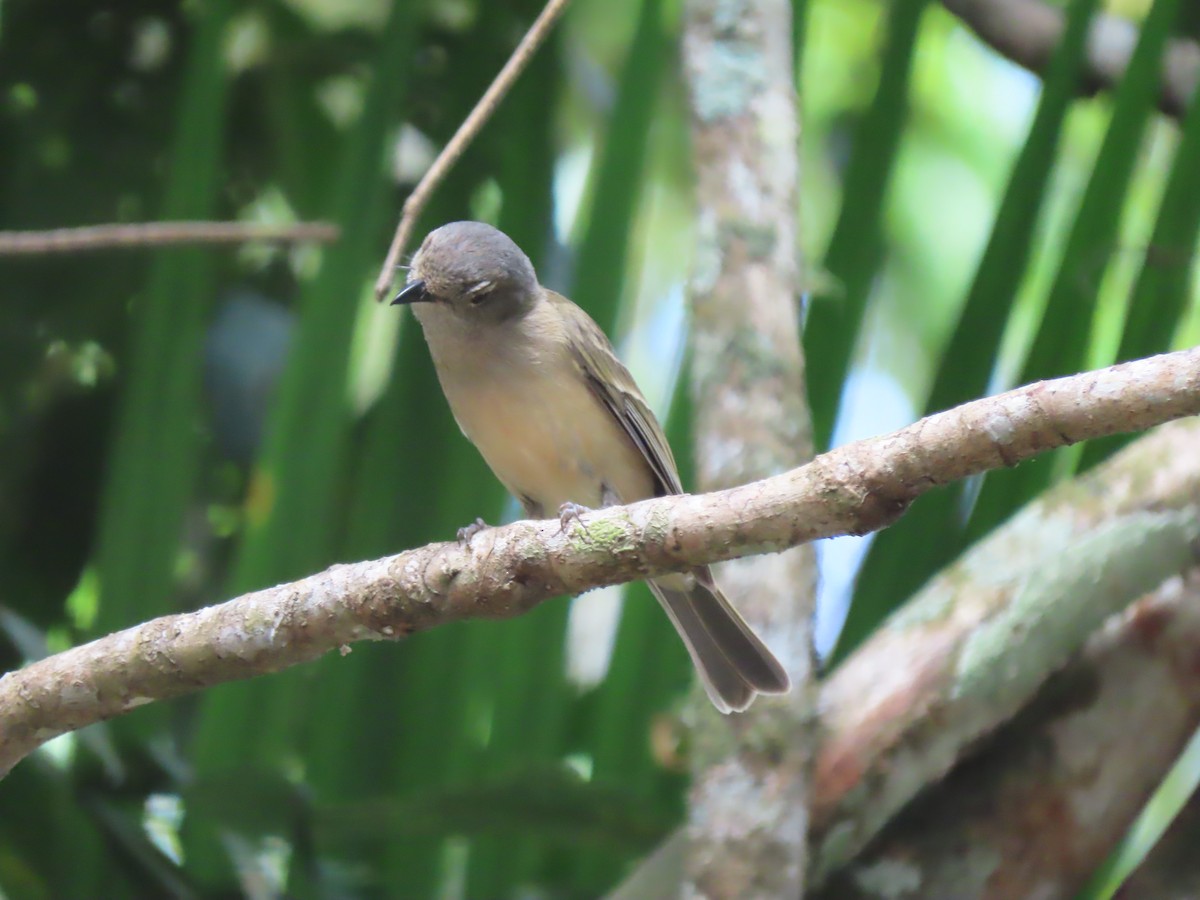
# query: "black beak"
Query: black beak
413,292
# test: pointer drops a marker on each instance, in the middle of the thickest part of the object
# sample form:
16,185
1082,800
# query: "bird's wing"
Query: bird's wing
616,390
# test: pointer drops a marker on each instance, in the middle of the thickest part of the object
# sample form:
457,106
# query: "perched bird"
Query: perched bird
537,388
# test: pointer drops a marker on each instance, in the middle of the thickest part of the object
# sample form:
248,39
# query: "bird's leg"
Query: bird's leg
569,511
469,531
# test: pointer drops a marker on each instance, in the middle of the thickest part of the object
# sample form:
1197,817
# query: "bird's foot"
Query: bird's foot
469,531
569,511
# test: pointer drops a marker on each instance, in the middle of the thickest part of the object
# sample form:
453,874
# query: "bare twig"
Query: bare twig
466,133
1027,32
747,810
506,571
159,234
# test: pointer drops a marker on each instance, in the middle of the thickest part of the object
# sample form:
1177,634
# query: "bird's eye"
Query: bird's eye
480,292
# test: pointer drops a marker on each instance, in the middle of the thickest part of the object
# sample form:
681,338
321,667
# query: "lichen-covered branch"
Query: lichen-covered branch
1037,812
1028,31
747,819
981,639
506,571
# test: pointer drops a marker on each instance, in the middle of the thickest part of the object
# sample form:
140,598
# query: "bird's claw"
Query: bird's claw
469,531
569,511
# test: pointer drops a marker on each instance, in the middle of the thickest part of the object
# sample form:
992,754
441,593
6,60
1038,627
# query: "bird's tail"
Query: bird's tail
734,665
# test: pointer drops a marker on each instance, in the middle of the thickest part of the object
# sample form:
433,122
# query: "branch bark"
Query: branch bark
506,571
894,711
747,810
159,234
1038,811
973,647
1027,32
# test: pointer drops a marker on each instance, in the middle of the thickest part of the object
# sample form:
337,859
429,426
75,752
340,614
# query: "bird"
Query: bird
536,386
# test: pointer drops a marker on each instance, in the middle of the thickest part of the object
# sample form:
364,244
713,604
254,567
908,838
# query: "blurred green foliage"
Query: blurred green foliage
963,230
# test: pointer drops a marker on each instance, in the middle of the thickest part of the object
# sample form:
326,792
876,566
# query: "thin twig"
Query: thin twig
467,131
159,234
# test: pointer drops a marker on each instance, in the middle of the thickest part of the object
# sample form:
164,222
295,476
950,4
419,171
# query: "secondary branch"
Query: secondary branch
123,235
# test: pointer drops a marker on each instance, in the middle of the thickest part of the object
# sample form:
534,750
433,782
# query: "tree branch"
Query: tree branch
1042,806
894,711
748,809
506,571
159,234
973,646
1027,32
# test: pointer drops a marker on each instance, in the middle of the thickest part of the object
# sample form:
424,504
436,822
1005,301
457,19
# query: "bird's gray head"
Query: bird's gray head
473,269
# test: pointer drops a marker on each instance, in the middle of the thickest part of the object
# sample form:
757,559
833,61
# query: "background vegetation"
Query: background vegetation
179,426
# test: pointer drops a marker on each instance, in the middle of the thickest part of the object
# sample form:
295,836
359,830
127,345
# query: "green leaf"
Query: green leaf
1160,295
1164,808
852,259
603,264
929,536
154,459
1061,345
296,484
551,803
